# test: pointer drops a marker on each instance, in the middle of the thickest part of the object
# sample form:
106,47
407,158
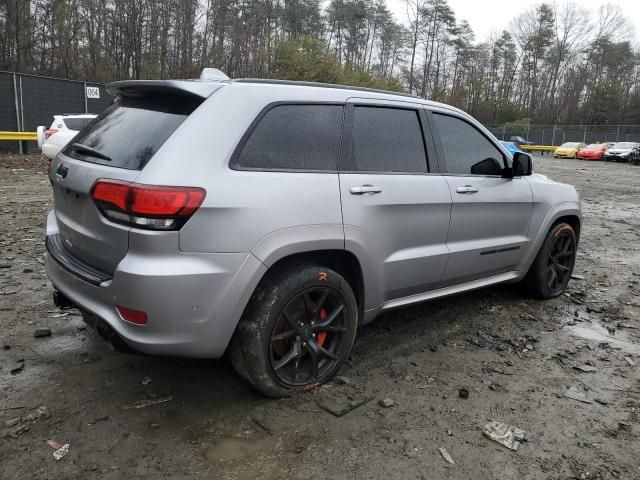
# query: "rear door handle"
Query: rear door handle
362,189
467,189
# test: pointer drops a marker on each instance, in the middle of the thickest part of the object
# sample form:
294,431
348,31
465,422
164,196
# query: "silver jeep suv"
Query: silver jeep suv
271,219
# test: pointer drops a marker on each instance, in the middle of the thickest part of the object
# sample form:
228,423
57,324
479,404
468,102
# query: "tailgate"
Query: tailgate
85,232
116,146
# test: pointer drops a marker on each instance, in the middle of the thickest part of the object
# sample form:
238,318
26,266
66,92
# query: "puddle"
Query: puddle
236,448
257,455
593,331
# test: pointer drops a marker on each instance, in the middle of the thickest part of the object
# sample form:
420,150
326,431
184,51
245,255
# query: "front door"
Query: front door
490,215
394,210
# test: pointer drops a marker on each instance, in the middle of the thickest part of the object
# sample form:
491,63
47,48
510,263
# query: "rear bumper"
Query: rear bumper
193,301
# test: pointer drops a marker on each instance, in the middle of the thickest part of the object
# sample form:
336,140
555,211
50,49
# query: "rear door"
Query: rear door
116,145
393,206
490,215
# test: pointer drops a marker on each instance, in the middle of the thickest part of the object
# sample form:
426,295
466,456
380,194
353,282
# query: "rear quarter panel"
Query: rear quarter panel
242,208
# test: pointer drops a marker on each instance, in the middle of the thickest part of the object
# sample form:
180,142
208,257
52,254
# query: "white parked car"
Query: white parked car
64,128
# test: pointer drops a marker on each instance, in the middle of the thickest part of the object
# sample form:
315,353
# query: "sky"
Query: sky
487,16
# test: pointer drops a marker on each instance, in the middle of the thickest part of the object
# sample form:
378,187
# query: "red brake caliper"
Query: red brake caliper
322,336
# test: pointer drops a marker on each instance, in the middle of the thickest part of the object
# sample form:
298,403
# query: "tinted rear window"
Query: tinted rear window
132,130
386,140
295,137
76,123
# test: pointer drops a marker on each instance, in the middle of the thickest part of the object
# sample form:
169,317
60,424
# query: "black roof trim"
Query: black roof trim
323,85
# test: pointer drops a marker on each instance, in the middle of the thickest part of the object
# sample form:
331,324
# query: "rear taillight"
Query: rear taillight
49,132
147,206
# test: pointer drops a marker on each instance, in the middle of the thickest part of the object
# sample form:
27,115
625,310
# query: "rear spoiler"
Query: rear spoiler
143,88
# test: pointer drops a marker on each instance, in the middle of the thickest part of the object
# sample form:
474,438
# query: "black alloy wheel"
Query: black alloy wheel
308,337
297,329
551,270
560,262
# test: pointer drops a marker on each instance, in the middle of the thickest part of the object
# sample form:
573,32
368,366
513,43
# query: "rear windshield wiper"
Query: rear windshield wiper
78,147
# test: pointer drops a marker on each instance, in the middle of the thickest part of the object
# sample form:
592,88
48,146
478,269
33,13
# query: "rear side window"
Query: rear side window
294,137
386,140
466,150
76,123
129,132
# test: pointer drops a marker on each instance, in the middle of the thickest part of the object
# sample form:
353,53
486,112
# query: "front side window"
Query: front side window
386,140
466,150
295,137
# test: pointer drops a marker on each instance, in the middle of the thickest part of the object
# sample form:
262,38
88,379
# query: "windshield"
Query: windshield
570,145
596,145
129,132
623,145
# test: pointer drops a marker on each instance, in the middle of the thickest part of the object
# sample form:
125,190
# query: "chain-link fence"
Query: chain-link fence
558,134
27,101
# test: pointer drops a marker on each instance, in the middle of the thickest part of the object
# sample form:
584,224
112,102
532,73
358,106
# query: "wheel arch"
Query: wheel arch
568,212
320,244
573,220
342,261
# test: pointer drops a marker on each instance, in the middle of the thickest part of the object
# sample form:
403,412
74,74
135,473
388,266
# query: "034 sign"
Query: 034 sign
93,92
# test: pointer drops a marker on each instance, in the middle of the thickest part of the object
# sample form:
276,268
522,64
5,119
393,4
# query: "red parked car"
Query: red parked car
595,151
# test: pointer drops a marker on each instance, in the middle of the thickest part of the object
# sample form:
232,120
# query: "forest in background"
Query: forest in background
553,64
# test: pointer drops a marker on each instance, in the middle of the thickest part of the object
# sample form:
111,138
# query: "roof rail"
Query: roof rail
323,85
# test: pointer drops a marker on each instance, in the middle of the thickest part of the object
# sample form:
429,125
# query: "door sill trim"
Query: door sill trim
452,290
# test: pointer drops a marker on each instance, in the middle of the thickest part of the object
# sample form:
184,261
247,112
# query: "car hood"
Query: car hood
566,149
619,150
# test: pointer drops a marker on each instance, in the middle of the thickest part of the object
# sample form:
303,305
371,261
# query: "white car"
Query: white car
64,127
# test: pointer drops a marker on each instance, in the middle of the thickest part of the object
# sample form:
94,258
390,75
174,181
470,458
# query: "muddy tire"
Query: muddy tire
297,330
552,268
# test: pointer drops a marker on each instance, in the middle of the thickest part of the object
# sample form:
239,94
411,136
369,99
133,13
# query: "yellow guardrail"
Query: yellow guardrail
18,136
538,148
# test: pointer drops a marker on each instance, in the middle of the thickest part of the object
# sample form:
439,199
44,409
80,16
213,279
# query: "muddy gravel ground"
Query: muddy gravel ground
134,416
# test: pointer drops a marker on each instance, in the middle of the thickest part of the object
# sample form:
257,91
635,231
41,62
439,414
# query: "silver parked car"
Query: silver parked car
623,152
271,219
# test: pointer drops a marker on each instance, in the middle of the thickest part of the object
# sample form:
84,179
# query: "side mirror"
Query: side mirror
522,164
